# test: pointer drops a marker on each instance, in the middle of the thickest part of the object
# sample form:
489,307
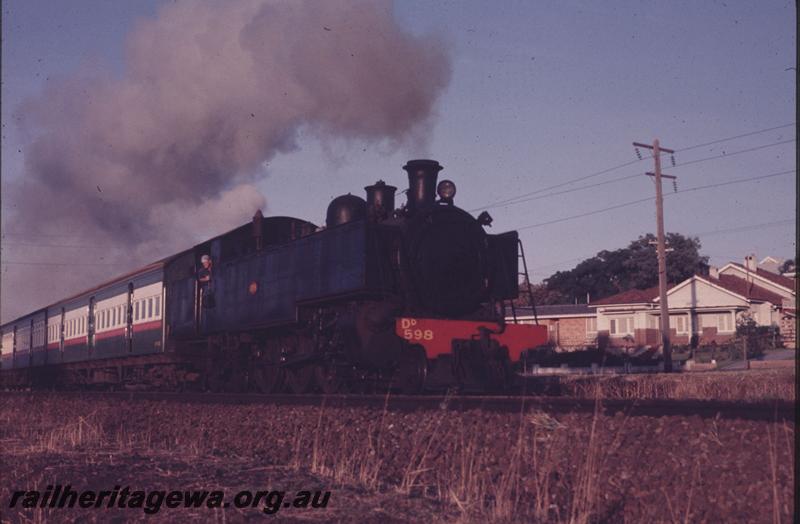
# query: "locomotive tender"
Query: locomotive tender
410,298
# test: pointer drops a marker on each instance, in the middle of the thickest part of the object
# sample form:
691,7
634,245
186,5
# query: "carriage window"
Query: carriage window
136,310
114,322
158,306
149,308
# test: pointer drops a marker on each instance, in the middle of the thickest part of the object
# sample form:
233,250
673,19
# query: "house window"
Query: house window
591,325
678,323
621,326
724,322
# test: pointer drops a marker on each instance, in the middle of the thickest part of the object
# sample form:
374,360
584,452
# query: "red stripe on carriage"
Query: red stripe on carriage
52,345
75,341
147,326
119,332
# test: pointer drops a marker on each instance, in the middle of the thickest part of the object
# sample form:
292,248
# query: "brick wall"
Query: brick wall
572,332
788,327
567,332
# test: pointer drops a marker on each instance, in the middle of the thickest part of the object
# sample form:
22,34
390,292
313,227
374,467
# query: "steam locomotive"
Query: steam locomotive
410,298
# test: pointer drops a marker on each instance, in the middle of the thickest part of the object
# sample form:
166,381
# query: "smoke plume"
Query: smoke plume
210,91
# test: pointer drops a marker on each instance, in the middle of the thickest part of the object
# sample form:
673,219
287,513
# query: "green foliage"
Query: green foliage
633,267
541,295
755,337
788,266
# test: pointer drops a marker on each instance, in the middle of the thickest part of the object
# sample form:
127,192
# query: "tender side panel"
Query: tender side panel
264,288
437,335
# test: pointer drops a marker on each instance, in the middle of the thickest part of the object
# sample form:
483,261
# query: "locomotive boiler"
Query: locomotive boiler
409,298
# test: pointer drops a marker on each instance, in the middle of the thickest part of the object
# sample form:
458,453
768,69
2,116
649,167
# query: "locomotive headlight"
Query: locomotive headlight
446,190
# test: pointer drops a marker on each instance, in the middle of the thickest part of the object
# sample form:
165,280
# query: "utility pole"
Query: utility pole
661,249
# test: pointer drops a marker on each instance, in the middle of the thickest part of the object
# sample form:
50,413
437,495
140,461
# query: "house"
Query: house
569,326
703,308
771,264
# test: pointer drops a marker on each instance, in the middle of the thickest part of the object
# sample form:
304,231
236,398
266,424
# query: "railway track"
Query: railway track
773,410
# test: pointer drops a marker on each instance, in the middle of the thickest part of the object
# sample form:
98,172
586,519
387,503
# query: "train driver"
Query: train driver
204,274
204,278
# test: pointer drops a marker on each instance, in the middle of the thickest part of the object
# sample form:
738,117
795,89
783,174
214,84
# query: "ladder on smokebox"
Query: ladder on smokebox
529,291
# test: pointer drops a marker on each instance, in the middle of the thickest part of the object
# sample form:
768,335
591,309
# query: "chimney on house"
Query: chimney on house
750,266
713,272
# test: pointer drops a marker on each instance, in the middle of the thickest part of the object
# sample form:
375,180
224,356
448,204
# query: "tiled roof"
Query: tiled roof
731,283
772,277
632,296
740,287
557,310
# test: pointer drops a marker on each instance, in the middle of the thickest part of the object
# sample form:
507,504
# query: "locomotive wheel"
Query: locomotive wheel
331,378
412,370
268,379
300,380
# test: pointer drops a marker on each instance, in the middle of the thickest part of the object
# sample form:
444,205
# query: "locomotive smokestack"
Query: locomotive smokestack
422,175
380,201
258,230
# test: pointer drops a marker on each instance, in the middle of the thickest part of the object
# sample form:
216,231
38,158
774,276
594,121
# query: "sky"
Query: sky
539,99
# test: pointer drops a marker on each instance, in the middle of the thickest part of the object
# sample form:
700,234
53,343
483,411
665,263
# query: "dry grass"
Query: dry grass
535,466
729,385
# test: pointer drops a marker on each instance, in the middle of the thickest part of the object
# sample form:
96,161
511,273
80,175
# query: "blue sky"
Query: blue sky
541,93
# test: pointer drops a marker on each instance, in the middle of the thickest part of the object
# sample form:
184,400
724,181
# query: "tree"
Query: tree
788,265
633,267
541,295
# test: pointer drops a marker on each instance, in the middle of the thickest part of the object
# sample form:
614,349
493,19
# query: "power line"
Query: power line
499,203
732,182
19,262
745,228
625,204
726,155
733,137
511,202
555,186
82,246
634,202
626,177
